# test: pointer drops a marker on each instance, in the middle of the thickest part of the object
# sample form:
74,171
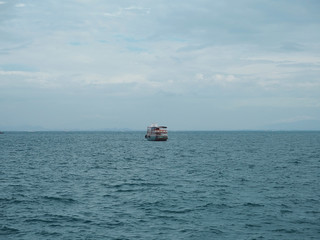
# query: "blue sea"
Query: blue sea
197,185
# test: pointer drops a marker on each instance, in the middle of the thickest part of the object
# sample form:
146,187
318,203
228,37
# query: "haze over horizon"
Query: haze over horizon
190,65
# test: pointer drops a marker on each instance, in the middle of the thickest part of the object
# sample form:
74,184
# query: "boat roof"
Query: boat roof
156,126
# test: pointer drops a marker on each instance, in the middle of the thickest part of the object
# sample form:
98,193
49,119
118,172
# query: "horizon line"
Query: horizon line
173,130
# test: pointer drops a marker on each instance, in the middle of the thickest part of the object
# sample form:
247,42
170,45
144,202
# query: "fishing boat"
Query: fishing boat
156,133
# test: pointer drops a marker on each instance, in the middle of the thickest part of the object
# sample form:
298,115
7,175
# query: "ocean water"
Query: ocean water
197,185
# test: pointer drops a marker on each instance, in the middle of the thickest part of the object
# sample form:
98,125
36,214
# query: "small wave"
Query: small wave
168,217
214,205
6,199
313,212
110,196
249,204
4,230
111,224
60,199
14,200
252,226
57,219
115,224
251,166
285,211
39,220
127,190
283,230
306,221
312,200
202,234
143,184
215,230
46,233
181,211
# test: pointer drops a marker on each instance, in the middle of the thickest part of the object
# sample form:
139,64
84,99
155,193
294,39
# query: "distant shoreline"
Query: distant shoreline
120,131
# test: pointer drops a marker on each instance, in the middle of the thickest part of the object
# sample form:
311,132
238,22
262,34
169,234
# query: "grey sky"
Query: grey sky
197,65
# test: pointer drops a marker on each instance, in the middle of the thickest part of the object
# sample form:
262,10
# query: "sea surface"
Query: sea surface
197,185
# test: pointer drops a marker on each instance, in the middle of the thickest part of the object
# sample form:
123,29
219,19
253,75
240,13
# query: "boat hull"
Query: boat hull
156,138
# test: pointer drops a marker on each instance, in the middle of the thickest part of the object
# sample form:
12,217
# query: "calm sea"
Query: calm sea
197,185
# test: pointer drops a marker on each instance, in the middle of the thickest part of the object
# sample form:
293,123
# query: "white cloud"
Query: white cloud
296,119
20,5
135,81
27,79
299,58
278,102
133,10
96,79
216,79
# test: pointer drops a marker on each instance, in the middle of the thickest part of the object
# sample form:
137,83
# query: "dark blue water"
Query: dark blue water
197,185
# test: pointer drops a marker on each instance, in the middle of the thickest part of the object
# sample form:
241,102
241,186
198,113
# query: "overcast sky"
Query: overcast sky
192,65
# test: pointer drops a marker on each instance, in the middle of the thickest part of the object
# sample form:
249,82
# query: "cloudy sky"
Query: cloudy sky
191,65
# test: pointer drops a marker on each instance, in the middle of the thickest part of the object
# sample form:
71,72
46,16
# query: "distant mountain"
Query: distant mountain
22,128
303,125
30,128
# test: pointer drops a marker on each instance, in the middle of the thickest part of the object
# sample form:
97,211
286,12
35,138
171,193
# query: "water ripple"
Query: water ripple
197,185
